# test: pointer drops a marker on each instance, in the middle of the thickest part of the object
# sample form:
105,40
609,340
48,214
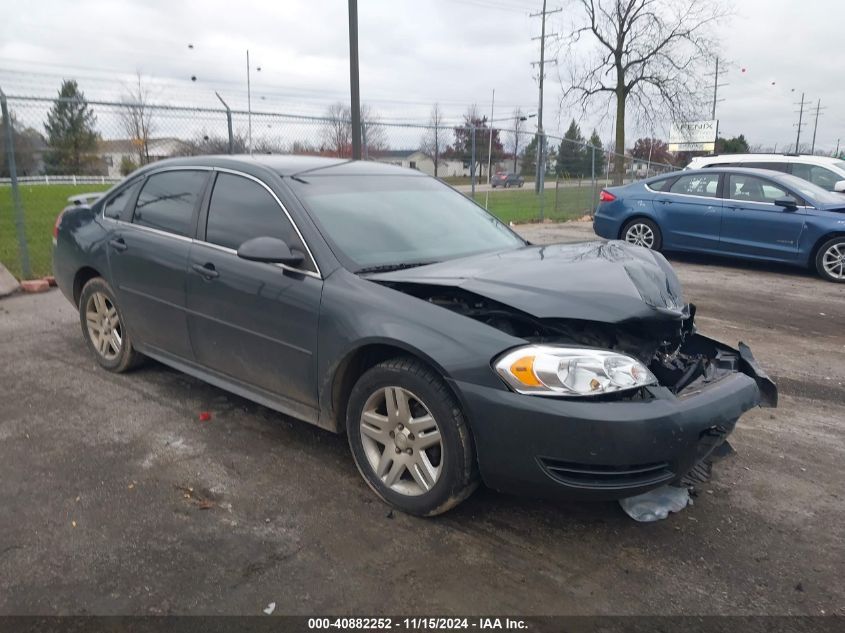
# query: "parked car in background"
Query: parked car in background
378,302
824,171
506,179
751,213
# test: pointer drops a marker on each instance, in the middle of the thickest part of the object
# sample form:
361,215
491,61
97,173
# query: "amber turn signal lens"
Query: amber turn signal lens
523,370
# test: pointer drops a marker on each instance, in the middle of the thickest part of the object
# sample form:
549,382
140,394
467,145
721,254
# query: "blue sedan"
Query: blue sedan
751,213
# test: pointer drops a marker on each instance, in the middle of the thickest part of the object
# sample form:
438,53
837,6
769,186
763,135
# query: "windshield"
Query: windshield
813,193
384,221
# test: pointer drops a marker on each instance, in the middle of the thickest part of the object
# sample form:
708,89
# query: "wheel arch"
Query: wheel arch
811,261
363,357
82,277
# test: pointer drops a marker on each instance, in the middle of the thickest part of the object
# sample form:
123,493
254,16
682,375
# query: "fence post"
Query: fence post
593,199
26,269
472,164
229,124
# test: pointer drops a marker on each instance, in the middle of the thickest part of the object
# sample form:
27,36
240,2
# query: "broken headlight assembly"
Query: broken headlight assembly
549,370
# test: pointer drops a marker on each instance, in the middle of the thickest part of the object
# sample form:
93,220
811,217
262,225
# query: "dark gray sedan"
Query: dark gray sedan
378,302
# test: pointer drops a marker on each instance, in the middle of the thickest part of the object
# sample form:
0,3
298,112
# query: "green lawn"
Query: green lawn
523,205
41,205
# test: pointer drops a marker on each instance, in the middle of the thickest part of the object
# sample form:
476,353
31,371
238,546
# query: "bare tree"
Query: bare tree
136,115
435,139
512,142
648,54
337,131
375,139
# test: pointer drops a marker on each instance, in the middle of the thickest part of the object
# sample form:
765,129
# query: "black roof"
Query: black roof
290,164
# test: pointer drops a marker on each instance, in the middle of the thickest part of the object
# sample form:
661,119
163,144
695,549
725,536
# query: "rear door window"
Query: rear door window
820,176
168,200
706,185
241,209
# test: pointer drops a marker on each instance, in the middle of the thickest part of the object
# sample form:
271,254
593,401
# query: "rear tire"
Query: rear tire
642,232
830,260
409,438
103,327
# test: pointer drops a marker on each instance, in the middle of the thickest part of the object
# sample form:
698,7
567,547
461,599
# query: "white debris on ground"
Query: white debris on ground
270,608
656,504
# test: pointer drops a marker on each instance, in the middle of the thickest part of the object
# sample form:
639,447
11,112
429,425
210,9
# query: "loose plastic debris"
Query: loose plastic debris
656,504
270,608
205,416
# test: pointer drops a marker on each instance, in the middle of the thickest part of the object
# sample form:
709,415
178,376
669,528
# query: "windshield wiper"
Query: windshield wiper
386,268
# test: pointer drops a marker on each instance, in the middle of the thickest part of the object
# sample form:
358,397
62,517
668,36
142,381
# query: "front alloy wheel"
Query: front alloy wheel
409,438
830,260
401,441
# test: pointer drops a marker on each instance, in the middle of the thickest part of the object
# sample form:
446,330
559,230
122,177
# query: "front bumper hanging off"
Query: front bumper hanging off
609,449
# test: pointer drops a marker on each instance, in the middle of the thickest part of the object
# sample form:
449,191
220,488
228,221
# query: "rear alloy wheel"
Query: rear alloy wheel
409,438
642,232
830,260
103,328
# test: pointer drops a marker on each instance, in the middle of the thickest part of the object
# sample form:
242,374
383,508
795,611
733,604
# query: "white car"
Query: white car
824,171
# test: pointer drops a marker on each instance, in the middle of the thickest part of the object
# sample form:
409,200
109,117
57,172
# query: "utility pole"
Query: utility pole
800,119
716,86
490,142
816,125
248,106
541,139
353,80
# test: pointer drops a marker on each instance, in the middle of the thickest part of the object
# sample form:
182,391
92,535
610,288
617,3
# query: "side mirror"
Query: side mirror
839,186
787,202
270,250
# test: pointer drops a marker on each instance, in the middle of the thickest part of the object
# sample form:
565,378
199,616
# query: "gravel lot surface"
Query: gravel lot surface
116,499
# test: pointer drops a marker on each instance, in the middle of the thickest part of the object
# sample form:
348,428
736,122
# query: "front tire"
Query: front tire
409,438
830,260
103,327
643,232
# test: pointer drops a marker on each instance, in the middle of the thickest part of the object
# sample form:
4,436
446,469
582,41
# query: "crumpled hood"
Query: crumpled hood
596,281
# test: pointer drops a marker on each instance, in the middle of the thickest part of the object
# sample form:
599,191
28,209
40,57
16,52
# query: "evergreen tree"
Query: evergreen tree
570,154
71,136
528,167
587,169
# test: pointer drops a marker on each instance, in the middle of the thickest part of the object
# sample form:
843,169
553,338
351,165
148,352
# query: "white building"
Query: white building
113,152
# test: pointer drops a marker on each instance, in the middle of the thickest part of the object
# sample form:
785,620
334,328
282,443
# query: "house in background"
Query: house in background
113,152
447,167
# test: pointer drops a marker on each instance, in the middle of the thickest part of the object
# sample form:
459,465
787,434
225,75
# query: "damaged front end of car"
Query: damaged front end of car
605,297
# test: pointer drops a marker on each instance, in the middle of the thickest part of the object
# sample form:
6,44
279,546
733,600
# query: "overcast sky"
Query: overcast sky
412,52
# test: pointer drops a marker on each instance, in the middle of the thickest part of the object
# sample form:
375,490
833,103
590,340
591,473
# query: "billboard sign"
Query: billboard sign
693,136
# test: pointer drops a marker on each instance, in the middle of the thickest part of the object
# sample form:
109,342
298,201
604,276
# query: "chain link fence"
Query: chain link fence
53,149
